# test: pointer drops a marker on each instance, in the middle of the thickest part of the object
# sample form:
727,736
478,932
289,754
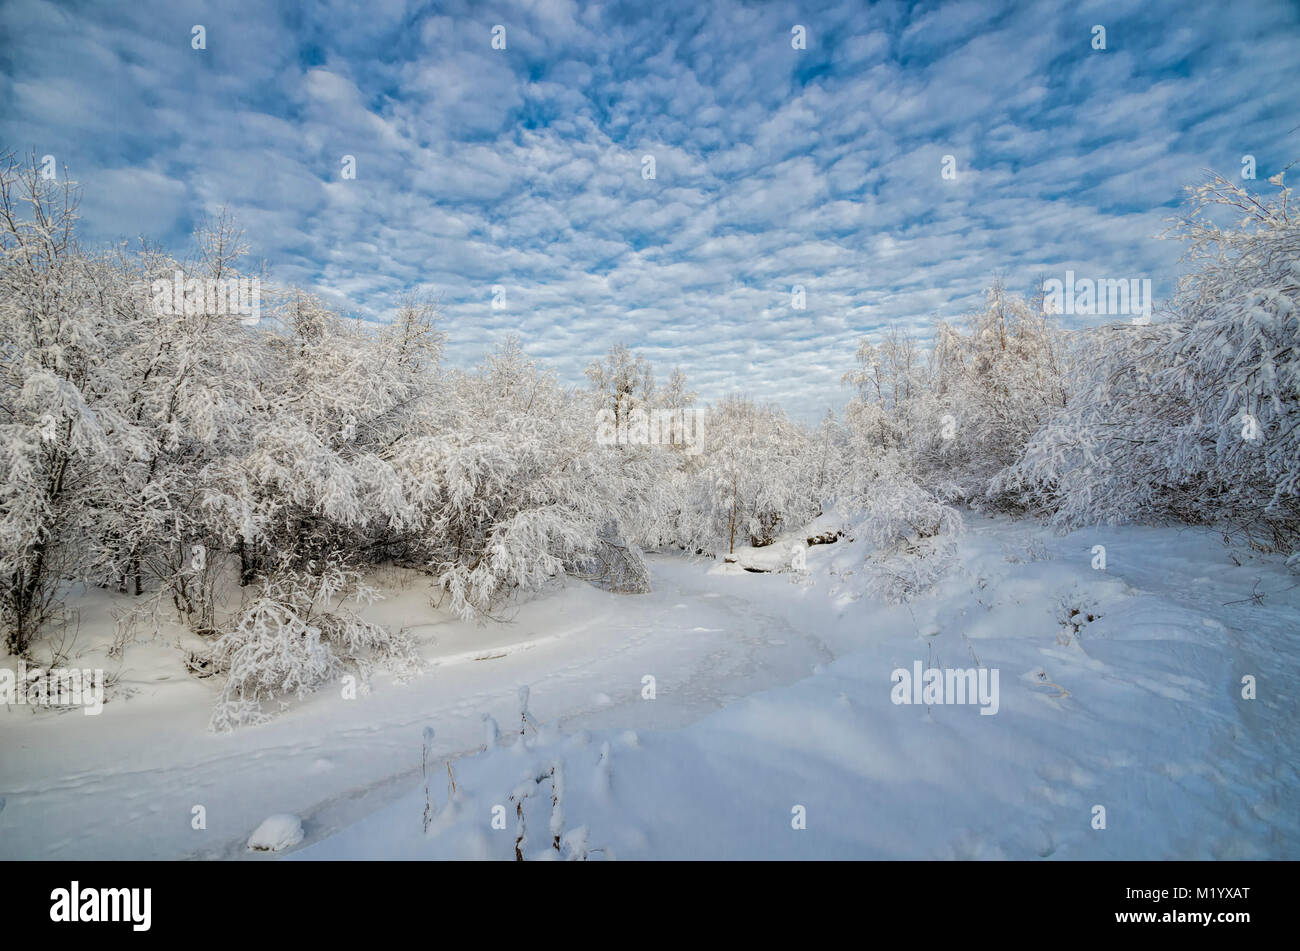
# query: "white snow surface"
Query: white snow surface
772,691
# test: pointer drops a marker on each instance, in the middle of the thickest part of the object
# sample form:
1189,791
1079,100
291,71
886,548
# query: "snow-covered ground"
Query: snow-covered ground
772,691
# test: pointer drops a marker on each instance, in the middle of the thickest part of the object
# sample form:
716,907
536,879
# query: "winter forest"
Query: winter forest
1028,584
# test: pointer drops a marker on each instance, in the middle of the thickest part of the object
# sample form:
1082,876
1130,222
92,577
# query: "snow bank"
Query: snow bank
773,708
1125,737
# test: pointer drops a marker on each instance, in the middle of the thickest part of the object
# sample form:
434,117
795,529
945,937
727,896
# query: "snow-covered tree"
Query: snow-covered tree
1194,418
625,380
751,481
64,329
512,489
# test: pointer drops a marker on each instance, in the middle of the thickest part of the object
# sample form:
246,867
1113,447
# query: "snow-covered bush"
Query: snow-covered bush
909,527
911,532
511,489
756,476
993,385
965,410
296,635
1196,418
64,329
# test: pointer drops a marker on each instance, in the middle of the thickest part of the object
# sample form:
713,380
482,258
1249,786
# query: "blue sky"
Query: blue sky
774,166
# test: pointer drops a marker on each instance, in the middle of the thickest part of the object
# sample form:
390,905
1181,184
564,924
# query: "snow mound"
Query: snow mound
276,833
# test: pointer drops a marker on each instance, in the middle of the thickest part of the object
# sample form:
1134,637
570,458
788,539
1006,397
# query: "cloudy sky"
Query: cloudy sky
525,167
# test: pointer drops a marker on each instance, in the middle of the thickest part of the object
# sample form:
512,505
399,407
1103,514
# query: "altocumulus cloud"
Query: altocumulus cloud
525,167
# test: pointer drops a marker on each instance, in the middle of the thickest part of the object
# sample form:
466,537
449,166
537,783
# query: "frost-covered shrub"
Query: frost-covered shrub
965,410
273,650
510,488
293,637
758,474
1196,418
909,528
911,532
63,332
614,565
993,386
896,511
